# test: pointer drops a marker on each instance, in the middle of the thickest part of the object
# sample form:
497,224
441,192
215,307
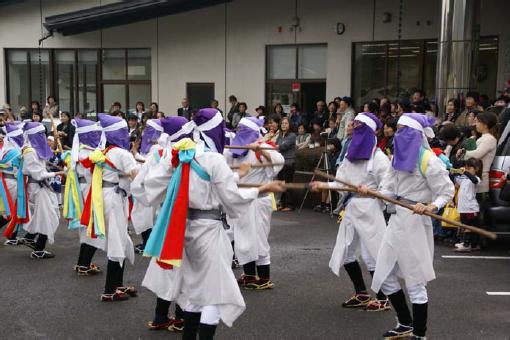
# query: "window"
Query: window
200,95
375,68
312,62
82,80
282,62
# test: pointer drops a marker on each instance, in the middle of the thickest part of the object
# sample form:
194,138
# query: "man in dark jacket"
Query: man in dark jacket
185,110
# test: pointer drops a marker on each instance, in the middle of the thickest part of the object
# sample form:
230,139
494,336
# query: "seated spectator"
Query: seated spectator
373,107
261,111
385,109
332,129
403,106
55,163
139,110
153,109
320,115
303,138
240,114
116,106
134,129
315,136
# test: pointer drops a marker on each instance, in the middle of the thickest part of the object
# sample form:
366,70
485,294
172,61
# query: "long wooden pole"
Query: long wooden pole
410,207
257,165
240,147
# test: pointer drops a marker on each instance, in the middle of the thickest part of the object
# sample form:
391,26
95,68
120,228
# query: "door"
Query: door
200,95
311,93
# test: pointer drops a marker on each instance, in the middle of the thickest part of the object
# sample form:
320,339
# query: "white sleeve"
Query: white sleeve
230,196
276,158
382,171
156,180
137,185
439,182
33,167
340,174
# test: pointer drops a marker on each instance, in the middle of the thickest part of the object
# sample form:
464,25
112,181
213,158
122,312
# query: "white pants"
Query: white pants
417,293
210,314
365,254
263,260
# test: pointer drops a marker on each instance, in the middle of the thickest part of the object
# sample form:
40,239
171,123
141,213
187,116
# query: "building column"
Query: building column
457,49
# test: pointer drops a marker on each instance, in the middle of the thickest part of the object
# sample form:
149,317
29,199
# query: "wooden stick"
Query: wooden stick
258,165
240,147
291,186
409,206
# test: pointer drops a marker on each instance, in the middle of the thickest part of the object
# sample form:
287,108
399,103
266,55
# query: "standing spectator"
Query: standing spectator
295,116
261,111
241,114
346,115
504,116
116,106
332,108
286,144
470,104
139,109
65,131
234,108
390,127
403,106
332,129
455,141
373,107
51,108
153,110
320,115
134,129
420,99
278,110
452,110
185,110
467,205
273,132
303,138
35,106
485,146
215,105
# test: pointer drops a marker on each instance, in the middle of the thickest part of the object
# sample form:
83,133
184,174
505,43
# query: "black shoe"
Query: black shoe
13,242
42,254
139,248
27,242
400,331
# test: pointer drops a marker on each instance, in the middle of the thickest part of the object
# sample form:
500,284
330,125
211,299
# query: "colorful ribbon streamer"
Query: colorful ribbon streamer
166,242
73,199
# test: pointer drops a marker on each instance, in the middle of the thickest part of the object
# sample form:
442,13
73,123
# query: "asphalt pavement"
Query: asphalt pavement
45,299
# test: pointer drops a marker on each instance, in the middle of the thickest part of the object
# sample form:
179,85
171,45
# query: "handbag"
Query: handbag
450,212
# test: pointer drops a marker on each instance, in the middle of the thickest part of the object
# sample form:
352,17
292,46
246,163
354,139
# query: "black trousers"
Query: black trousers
114,276
287,175
471,238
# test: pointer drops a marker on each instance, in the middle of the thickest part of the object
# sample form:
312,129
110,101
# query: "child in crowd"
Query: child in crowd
467,206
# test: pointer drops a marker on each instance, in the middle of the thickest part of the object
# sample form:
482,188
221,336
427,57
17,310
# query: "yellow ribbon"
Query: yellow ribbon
97,157
71,187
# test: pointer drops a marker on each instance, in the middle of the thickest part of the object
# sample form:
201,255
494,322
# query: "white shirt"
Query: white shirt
467,202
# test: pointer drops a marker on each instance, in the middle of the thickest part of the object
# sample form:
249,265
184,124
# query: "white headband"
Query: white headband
367,120
198,130
413,124
249,124
15,133
154,125
75,149
114,127
34,130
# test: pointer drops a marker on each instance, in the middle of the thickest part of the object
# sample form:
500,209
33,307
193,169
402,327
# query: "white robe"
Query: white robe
363,215
255,222
12,184
118,243
143,214
409,240
42,201
206,274
165,283
81,171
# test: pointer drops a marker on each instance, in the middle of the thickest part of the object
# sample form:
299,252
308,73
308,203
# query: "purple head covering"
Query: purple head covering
35,133
15,133
150,135
209,127
248,132
409,139
363,137
115,131
87,132
172,126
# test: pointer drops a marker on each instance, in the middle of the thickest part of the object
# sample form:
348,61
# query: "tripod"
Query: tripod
323,161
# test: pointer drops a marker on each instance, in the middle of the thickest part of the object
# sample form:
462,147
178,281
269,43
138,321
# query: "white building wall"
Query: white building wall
197,47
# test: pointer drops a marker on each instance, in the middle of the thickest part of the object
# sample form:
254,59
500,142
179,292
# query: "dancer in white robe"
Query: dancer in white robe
407,250
363,225
251,229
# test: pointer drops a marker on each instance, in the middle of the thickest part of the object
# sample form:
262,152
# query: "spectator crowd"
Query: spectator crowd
468,132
